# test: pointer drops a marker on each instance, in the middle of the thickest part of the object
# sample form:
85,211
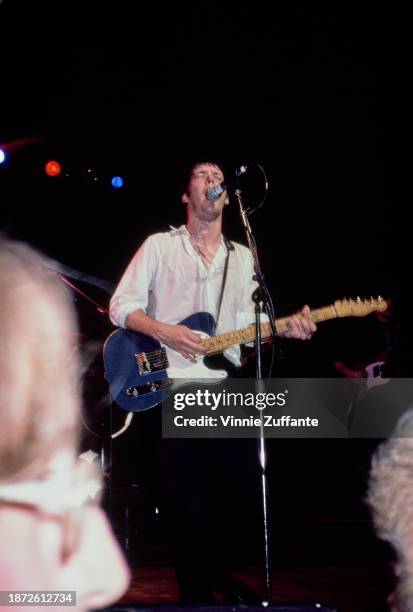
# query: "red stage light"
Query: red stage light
53,168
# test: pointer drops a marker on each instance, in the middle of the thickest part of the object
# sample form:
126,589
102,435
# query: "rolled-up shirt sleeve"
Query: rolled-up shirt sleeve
132,292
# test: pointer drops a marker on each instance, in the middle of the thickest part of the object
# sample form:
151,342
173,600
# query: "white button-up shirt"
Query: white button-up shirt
168,280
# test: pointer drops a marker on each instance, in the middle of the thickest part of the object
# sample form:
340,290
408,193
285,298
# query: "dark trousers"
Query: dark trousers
211,495
211,503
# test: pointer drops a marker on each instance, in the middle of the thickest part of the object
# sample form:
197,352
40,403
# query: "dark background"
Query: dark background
137,89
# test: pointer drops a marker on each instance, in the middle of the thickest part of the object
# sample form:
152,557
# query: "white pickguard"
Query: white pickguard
196,370
374,373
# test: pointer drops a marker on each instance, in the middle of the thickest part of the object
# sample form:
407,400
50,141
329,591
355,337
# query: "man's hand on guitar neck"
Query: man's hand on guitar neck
301,325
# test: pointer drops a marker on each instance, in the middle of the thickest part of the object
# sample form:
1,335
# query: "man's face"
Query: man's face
203,177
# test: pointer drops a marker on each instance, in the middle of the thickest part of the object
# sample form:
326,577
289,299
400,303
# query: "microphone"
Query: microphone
214,193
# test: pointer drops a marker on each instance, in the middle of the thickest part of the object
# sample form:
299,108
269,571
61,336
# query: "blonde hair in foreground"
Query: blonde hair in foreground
391,499
39,394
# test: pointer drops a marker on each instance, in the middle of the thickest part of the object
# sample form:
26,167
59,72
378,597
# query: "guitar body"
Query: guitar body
137,367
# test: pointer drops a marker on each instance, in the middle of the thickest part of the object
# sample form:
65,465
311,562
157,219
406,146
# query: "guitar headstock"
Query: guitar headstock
359,307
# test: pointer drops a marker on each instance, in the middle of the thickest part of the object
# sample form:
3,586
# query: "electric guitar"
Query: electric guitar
141,373
372,372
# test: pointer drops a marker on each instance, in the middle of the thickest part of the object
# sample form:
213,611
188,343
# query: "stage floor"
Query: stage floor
314,561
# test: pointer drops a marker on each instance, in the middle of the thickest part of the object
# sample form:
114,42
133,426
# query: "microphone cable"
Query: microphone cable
250,210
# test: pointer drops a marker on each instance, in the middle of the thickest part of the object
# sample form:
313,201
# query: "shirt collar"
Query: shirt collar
182,230
179,231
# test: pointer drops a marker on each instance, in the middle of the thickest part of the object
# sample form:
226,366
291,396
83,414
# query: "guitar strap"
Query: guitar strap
230,247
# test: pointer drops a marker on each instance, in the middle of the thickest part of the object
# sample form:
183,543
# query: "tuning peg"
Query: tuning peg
358,299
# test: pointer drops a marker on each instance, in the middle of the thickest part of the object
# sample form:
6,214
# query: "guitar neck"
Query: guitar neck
217,344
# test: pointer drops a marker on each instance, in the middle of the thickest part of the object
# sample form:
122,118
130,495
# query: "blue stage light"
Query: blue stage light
2,156
117,182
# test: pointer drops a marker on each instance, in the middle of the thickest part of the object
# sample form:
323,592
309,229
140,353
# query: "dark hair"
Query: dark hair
189,168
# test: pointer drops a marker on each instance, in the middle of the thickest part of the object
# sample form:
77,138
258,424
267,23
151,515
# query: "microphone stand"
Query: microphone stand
103,311
260,297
